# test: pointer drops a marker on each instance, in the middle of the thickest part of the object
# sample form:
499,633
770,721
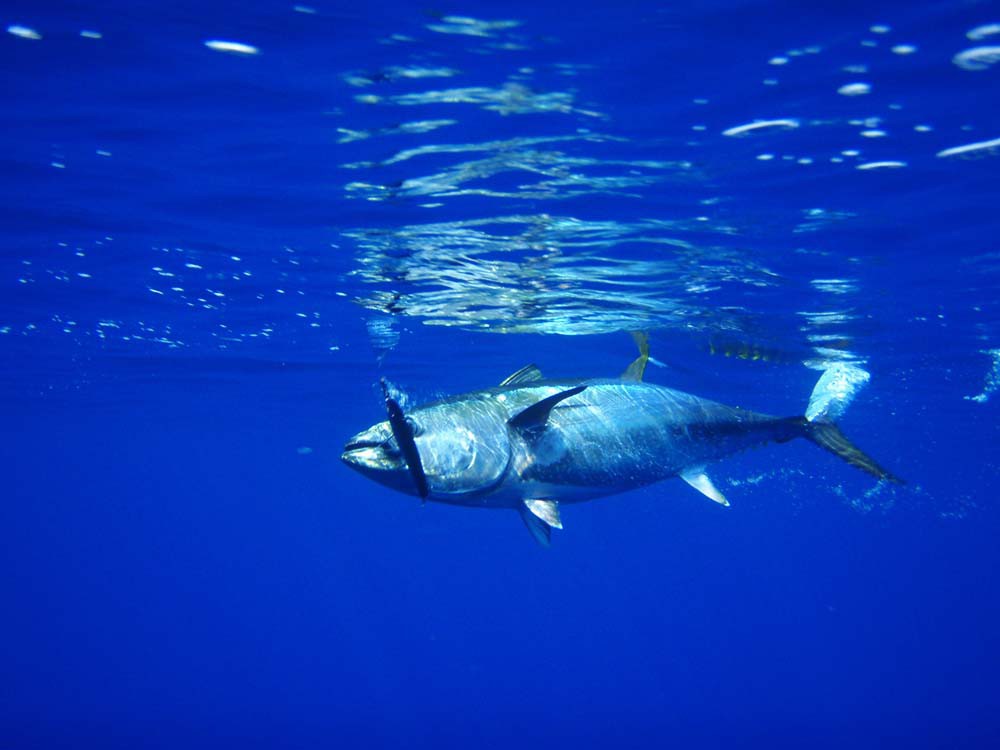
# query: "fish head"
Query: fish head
463,447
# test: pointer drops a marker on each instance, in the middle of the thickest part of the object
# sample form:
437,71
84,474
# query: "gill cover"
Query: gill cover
464,446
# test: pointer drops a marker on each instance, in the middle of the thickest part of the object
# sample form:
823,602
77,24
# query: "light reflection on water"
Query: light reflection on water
487,176
574,273
552,274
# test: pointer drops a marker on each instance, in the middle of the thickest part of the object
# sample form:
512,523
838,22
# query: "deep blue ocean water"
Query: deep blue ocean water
212,254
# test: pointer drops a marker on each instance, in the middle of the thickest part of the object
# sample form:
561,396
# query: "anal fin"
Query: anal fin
698,479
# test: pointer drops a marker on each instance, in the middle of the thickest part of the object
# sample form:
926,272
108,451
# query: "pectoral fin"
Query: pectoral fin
698,479
531,421
547,510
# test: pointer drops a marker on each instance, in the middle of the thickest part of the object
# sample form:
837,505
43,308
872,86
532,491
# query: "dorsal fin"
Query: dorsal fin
638,367
527,374
531,421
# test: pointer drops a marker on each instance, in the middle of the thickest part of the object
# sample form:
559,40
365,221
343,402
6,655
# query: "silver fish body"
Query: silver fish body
532,444
611,437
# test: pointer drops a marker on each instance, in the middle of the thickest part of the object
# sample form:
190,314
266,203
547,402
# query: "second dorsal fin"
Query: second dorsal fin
527,374
638,367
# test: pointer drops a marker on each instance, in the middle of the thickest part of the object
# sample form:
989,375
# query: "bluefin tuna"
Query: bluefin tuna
532,444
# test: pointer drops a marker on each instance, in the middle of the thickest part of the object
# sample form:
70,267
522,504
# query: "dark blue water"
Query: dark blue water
211,256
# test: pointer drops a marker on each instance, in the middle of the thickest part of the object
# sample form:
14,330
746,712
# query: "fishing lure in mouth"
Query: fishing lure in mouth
402,431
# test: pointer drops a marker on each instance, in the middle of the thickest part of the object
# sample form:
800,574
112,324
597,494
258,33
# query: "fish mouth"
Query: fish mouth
379,461
373,451
374,454
371,456
355,445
